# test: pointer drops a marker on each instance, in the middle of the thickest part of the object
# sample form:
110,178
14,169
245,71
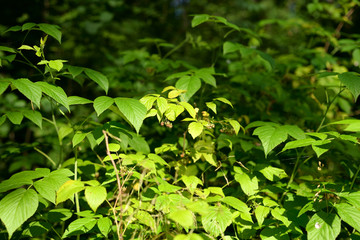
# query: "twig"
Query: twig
118,225
338,29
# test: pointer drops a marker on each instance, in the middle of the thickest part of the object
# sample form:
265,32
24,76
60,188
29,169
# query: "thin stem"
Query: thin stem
118,225
46,156
175,48
77,204
354,178
28,62
327,109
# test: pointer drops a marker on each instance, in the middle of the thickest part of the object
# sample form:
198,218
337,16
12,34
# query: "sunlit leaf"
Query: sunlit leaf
323,226
133,111
16,207
95,196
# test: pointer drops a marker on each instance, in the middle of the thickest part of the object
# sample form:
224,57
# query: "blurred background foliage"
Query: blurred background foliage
138,44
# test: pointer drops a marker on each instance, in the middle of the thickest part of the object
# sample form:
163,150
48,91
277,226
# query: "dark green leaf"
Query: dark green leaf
29,89
55,92
189,83
34,116
74,100
199,19
15,117
352,82
133,111
98,78
52,30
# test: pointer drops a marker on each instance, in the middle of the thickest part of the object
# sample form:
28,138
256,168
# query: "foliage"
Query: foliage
259,142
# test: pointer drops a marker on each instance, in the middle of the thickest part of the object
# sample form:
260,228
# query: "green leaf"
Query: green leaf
104,224
273,173
146,219
55,92
236,204
323,226
114,147
74,100
48,186
353,198
270,137
235,124
280,214
79,226
352,82
17,207
29,89
164,186
298,143
199,19
320,147
248,185
68,189
349,214
174,111
98,78
59,214
191,182
7,49
15,117
26,47
224,100
191,236
78,138
22,178
13,29
36,229
3,86
189,83
34,116
133,111
167,202
210,158
206,74
56,64
294,131
260,213
212,106
189,108
52,30
148,101
157,159
102,103
27,26
216,220
139,144
183,217
195,129
162,104
74,71
274,233
2,119
230,47
95,196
